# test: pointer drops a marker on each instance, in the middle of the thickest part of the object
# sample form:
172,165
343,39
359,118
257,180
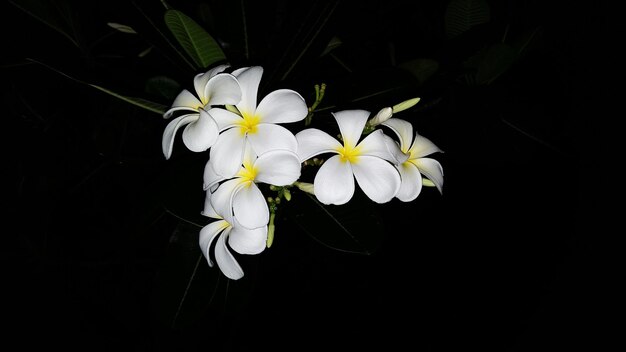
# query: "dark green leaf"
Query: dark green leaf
332,45
492,62
163,86
461,15
140,102
422,69
198,44
355,227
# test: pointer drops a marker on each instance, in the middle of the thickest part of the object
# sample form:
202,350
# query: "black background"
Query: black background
500,261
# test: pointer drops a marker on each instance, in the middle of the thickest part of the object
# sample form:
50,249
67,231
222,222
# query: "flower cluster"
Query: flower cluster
248,146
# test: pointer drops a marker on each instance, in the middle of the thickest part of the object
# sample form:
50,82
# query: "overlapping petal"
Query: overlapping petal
432,169
334,182
422,147
411,185
201,134
227,152
312,142
250,207
184,101
248,241
351,124
208,235
169,135
224,118
225,260
201,80
249,79
278,168
282,106
374,144
378,179
222,89
272,137
404,131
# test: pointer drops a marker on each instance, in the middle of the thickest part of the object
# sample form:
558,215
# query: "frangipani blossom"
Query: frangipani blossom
240,239
365,161
254,124
212,88
410,161
241,194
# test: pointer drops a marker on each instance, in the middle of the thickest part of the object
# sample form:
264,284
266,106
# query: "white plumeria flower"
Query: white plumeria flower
334,182
255,125
410,161
241,194
240,239
212,88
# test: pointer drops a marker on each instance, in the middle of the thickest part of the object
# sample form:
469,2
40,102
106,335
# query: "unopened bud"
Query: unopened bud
407,104
382,116
305,187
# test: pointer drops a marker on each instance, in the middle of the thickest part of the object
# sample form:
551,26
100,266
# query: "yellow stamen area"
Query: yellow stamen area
249,124
247,174
347,153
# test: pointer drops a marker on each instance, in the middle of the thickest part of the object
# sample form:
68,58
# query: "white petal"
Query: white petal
208,210
334,182
312,142
201,79
201,134
374,144
351,124
432,169
249,157
184,101
246,241
394,149
404,131
223,89
422,146
227,152
225,260
222,199
411,185
250,207
272,137
378,179
224,118
211,178
169,135
282,106
249,80
208,234
278,168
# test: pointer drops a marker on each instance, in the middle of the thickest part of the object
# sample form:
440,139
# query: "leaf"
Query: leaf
354,227
185,285
122,28
198,44
163,86
333,44
461,15
491,62
422,69
140,102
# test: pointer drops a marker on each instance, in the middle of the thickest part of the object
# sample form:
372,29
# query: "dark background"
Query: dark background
96,256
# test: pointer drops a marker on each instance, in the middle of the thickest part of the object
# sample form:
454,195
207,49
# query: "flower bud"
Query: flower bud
382,116
407,104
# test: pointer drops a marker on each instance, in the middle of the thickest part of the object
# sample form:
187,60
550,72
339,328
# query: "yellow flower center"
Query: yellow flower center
247,174
348,153
249,124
